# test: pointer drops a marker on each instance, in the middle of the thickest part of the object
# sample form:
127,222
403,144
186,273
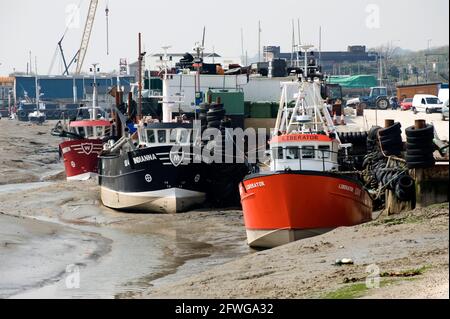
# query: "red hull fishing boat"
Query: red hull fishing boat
80,153
305,192
85,139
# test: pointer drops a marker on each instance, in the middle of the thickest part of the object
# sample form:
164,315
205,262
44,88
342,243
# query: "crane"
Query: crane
86,35
81,53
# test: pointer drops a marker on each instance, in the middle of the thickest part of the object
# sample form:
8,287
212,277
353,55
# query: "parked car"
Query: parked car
445,111
426,103
406,104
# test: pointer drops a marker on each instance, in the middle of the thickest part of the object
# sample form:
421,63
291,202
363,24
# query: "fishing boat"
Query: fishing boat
153,169
305,192
83,142
152,177
37,117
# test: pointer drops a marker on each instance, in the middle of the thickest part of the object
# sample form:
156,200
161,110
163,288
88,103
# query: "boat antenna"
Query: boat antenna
293,43
259,41
320,45
242,45
107,28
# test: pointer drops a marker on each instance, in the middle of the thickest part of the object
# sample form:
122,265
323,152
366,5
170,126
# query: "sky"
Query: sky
37,26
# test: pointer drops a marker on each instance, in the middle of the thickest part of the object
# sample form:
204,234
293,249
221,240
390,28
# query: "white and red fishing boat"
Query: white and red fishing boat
304,193
83,142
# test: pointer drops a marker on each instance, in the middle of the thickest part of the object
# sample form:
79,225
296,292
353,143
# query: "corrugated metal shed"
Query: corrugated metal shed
54,88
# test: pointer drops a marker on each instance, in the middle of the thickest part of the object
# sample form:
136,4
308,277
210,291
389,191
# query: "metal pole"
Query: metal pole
94,93
259,41
140,79
36,83
107,29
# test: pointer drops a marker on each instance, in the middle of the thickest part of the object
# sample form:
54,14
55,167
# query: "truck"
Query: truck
377,98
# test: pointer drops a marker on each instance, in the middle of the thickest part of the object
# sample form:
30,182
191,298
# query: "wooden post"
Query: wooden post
388,123
418,124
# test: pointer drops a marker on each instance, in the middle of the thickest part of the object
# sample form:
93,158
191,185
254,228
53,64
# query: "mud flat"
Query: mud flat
408,251
48,224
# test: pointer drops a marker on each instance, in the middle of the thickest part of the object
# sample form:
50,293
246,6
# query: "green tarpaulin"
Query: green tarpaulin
356,81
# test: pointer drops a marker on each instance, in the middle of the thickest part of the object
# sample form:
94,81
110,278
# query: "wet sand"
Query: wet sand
46,226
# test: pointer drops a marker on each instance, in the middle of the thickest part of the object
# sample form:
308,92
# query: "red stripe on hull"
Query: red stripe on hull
81,156
303,201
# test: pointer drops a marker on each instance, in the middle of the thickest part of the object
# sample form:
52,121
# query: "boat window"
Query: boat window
292,153
100,130
184,136
324,151
277,153
151,136
173,136
308,152
162,137
89,131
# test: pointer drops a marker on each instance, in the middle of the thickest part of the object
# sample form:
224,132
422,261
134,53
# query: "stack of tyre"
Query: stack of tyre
372,138
420,147
359,146
215,115
203,110
390,140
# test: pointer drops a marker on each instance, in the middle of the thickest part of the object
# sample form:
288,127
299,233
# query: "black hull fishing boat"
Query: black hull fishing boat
160,175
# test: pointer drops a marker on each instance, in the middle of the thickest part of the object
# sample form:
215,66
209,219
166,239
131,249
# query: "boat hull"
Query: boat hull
81,158
151,180
283,207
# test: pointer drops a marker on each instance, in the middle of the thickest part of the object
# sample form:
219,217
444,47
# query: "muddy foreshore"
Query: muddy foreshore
48,224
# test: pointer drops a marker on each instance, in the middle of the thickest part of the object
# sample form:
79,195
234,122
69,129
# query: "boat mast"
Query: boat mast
94,94
167,114
36,84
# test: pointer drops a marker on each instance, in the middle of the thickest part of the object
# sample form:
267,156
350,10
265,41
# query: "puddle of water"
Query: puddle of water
14,188
132,256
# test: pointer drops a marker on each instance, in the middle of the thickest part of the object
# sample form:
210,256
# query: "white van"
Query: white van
426,103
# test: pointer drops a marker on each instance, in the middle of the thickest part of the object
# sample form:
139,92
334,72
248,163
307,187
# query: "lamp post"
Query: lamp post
426,59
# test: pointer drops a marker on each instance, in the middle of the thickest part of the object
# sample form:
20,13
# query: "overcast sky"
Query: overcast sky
37,26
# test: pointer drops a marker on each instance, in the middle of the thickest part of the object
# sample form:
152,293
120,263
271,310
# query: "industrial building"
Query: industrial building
67,89
331,61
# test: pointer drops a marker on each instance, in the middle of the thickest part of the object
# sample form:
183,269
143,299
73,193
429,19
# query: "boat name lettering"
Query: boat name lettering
144,158
302,137
255,185
346,188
